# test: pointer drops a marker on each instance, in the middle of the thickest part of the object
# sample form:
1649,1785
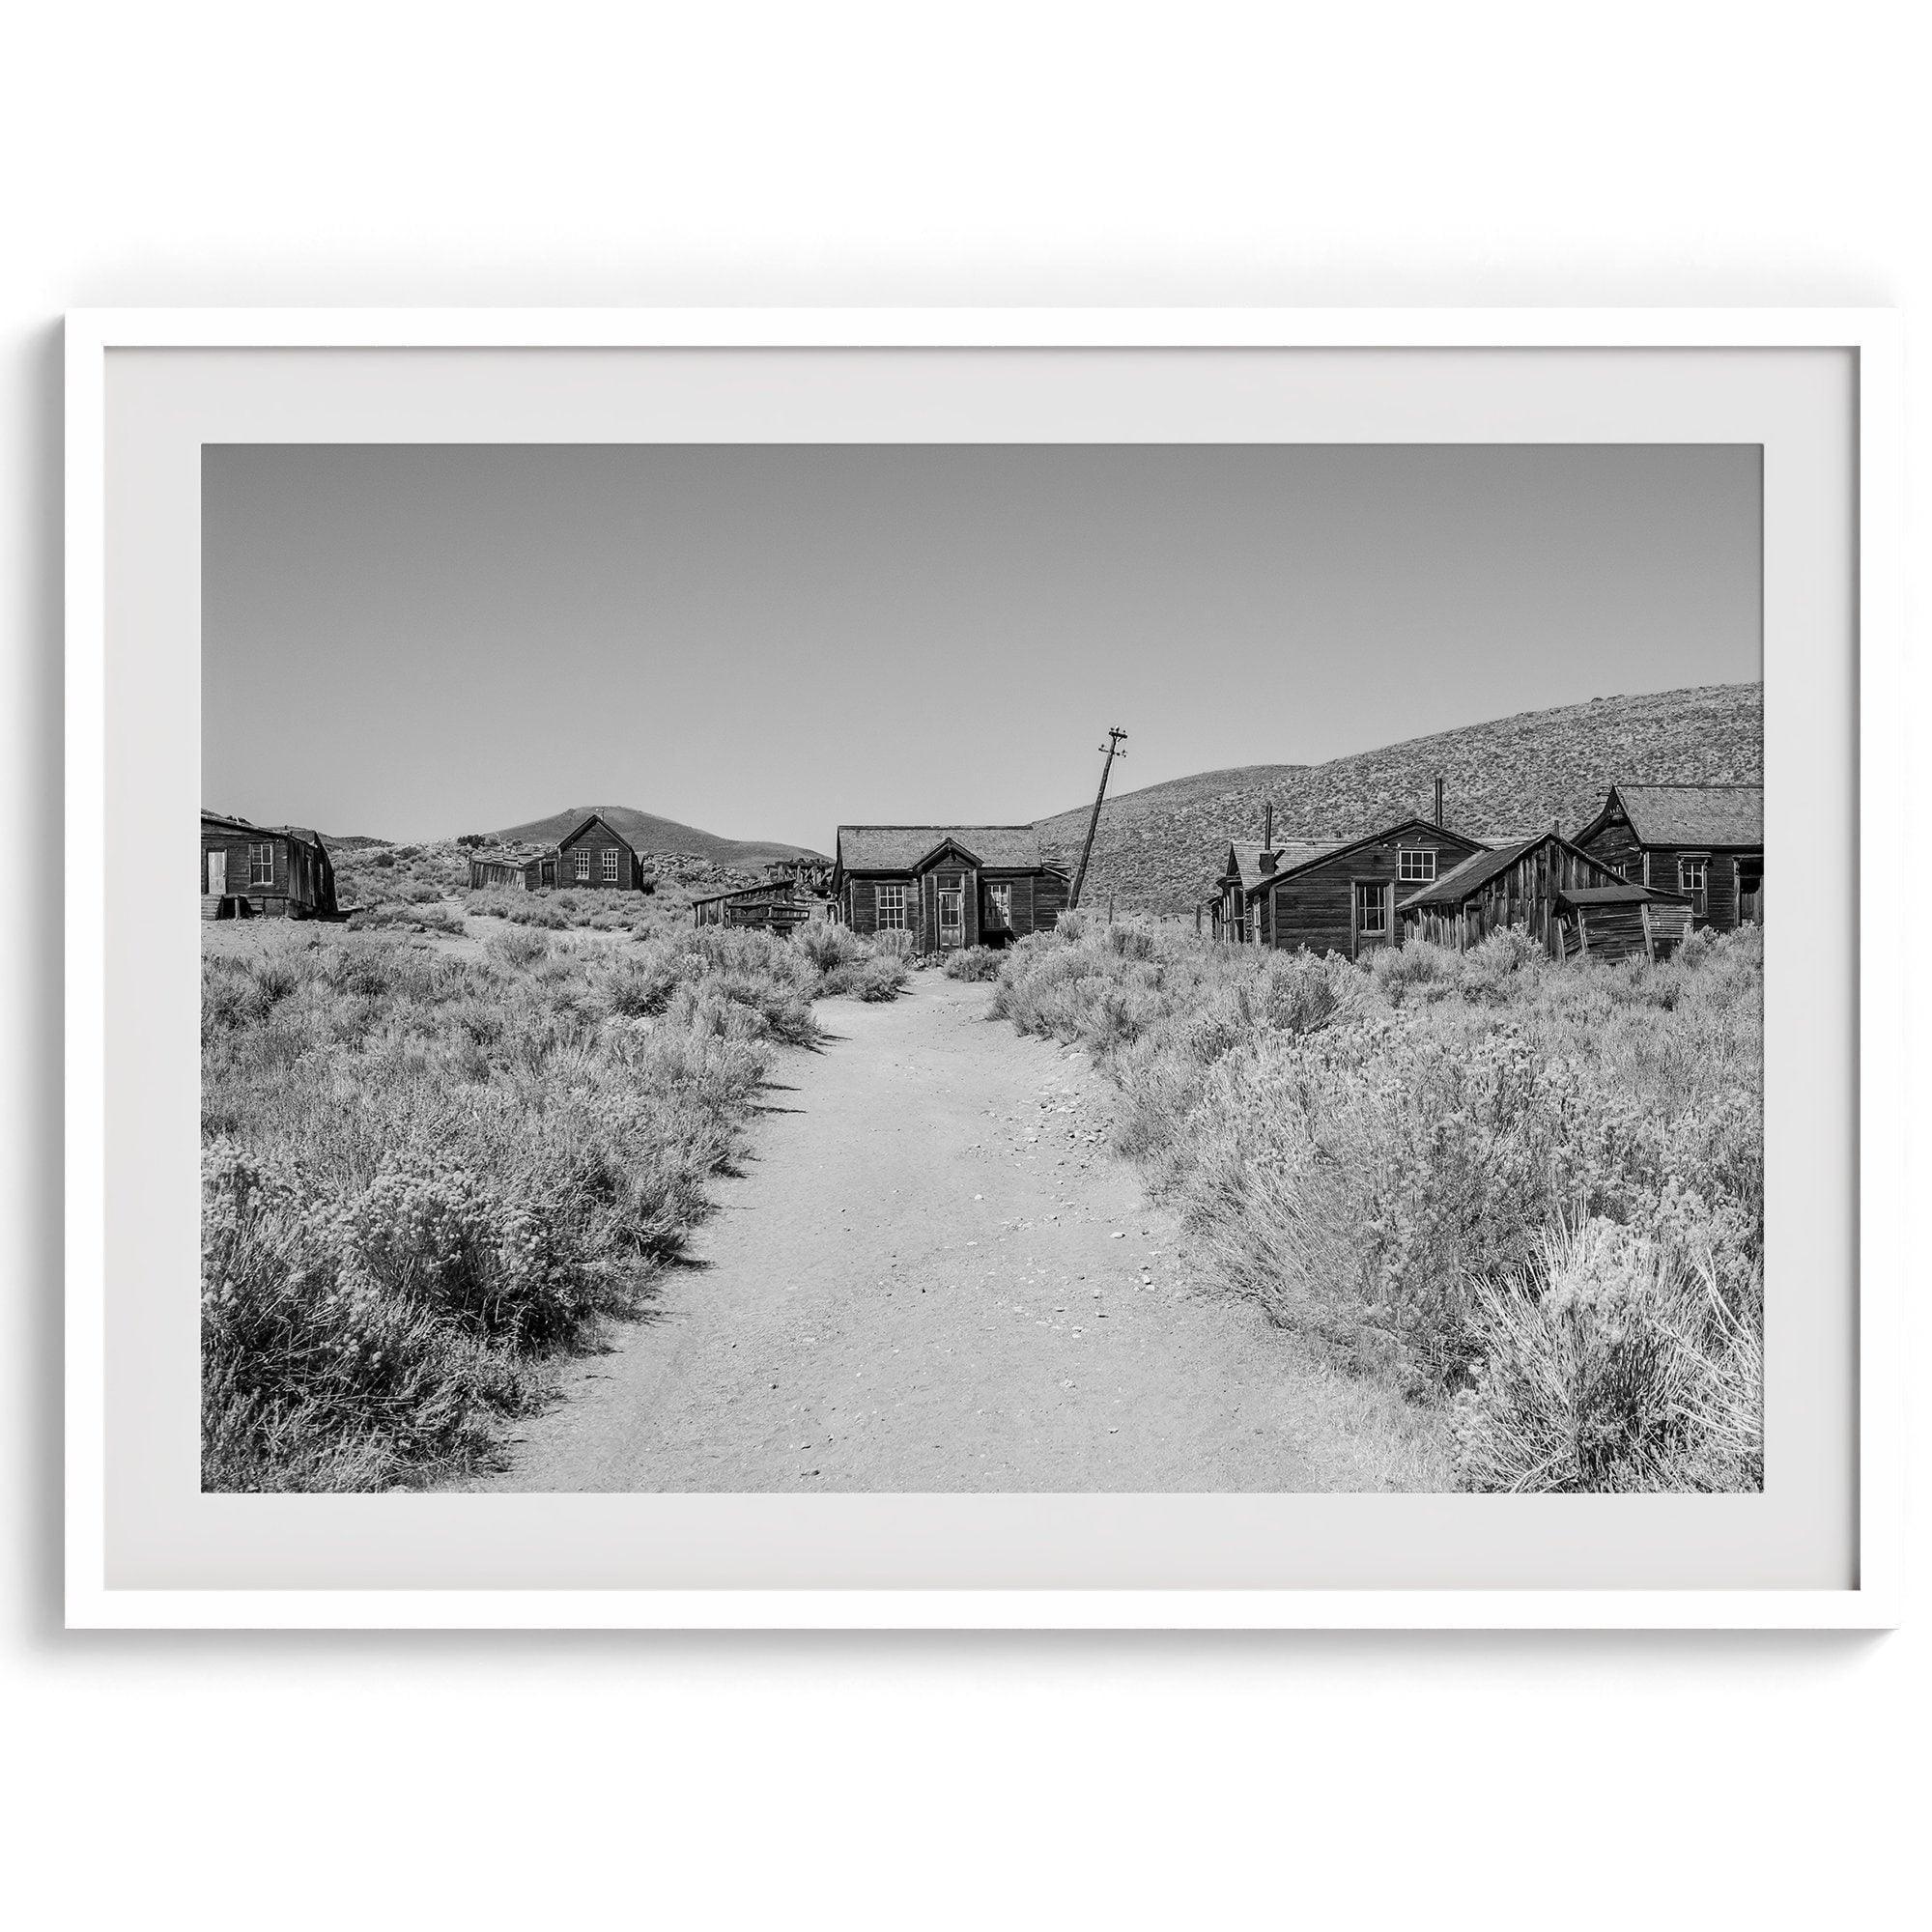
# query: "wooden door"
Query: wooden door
218,873
951,913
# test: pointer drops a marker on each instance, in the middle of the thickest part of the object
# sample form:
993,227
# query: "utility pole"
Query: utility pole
1112,750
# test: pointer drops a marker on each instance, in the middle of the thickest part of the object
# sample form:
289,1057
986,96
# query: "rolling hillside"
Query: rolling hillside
650,834
1157,849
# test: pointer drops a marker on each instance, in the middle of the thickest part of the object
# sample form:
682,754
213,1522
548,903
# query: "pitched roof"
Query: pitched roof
1473,873
228,822
901,848
1316,850
1289,853
1694,814
590,819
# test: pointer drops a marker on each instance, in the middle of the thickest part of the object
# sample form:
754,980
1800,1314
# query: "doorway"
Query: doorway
218,873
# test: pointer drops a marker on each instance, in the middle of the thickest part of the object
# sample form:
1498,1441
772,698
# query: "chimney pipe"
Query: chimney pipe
1267,826
1438,800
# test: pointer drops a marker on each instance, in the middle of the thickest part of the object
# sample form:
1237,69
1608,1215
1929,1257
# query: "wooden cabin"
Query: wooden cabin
594,854
1238,886
504,871
279,870
777,905
1703,840
1572,904
1336,895
948,886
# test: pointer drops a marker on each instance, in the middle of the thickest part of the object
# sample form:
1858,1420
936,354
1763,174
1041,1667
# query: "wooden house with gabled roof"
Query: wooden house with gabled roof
1332,895
948,886
1703,840
594,854
1569,901
280,870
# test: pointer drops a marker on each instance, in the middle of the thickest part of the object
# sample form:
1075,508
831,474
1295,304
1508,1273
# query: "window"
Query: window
583,857
261,865
1417,866
1693,876
610,865
1371,907
998,905
891,903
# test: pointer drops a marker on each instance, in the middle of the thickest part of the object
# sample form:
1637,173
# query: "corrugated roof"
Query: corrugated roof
1695,814
899,848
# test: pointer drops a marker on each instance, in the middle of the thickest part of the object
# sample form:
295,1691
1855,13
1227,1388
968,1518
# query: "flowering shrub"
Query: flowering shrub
1381,1155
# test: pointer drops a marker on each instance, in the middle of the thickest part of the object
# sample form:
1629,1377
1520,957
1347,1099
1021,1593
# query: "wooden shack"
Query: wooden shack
776,905
1703,840
277,870
505,872
594,854
1569,901
1323,895
948,886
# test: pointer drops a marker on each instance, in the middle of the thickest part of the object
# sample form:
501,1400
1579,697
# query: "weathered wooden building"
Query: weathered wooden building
593,853
1333,895
1569,901
777,905
1703,840
282,870
505,872
948,886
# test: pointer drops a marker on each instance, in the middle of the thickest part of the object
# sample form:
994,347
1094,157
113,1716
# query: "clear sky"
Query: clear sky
415,641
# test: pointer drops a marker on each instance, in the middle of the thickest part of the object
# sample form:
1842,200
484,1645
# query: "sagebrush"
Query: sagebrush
429,1168
1418,1162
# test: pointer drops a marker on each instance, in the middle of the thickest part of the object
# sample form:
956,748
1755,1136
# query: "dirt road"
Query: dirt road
933,1275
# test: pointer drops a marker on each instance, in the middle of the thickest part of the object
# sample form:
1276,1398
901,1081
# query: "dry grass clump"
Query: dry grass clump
973,962
1388,1157
863,969
427,1172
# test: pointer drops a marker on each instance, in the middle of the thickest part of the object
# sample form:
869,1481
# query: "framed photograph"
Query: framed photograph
951,969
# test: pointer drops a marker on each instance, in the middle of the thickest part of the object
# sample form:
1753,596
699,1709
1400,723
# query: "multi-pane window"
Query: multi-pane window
1416,866
892,908
610,865
998,905
583,857
1693,876
1371,907
261,865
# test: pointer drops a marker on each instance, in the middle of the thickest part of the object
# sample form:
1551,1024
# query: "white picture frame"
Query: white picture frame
1871,1600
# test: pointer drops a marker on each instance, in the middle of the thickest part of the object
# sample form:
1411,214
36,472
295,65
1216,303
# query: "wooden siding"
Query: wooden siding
1616,846
1615,842
1523,893
301,880
1313,909
596,838
1039,897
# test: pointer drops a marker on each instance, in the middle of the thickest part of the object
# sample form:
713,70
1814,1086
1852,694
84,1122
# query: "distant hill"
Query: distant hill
1157,849
650,834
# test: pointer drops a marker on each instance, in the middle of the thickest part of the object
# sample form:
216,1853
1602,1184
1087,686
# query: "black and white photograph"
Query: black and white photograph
998,968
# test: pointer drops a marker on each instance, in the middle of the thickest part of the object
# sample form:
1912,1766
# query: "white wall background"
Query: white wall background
1035,153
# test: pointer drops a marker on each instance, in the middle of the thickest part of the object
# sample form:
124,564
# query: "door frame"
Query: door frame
1387,936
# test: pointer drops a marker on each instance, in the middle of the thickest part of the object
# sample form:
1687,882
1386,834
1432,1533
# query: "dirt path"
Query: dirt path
933,1276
